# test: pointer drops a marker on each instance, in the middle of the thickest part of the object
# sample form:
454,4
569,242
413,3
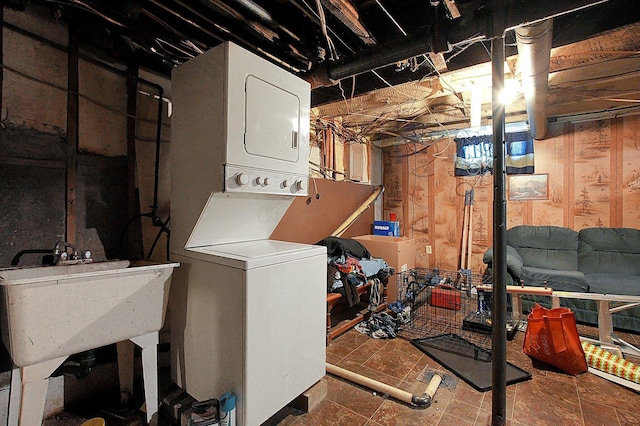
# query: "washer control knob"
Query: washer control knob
285,183
298,186
242,178
265,181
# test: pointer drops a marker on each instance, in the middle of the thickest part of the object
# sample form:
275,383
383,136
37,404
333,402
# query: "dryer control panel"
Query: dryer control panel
251,180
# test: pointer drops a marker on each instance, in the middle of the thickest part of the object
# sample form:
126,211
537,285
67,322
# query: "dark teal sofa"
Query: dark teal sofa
592,260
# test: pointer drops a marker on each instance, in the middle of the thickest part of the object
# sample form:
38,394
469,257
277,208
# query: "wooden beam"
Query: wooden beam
624,41
72,137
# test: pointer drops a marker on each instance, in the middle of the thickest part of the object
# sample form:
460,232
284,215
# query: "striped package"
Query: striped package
605,361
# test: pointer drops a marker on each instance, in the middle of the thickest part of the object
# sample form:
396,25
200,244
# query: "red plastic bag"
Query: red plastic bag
552,337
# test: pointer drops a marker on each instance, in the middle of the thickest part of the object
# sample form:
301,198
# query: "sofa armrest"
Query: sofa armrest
514,261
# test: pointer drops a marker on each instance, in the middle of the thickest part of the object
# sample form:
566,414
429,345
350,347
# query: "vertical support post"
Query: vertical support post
605,321
499,309
1,55
72,136
149,345
125,370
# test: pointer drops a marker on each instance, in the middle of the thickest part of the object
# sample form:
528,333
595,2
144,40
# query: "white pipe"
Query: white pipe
534,53
422,401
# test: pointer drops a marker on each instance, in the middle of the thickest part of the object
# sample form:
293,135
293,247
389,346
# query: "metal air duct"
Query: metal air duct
534,52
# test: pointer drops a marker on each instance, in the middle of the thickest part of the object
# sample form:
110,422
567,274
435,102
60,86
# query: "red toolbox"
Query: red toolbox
445,296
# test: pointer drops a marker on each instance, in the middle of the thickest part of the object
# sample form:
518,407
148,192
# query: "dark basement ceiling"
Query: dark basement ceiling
160,34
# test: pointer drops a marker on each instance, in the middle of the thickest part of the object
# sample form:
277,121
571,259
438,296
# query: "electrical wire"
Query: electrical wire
83,6
333,53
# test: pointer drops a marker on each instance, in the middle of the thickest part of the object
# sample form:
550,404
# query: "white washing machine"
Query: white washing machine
250,324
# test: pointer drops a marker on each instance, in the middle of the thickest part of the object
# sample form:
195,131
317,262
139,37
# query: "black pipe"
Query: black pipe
160,90
153,214
371,59
16,259
499,308
487,23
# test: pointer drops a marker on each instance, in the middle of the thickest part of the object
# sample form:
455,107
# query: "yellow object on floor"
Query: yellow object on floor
606,361
96,421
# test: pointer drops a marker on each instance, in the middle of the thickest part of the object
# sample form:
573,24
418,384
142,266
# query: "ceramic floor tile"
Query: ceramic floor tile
599,414
333,358
628,417
339,351
460,409
451,420
354,397
595,389
392,413
487,402
485,419
351,339
543,401
397,359
367,349
466,393
328,413
424,363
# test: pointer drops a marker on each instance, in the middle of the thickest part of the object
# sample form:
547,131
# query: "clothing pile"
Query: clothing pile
350,265
380,326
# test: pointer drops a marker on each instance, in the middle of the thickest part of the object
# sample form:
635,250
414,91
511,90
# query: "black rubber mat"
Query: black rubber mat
468,361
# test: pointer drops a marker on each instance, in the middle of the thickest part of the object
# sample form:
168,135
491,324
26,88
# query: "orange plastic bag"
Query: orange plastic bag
552,337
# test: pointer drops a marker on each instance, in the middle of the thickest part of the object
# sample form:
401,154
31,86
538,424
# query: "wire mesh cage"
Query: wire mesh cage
449,310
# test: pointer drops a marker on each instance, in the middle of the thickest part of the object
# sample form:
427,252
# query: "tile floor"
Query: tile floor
550,398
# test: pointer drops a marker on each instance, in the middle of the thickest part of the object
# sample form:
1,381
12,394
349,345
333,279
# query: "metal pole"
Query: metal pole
499,309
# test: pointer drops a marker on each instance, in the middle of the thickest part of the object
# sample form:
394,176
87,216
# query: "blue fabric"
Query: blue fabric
371,267
519,156
474,155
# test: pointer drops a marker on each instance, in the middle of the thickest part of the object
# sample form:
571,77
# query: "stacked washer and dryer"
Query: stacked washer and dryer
247,312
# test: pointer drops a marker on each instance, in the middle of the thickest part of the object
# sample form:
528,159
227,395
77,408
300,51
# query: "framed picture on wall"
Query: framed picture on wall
528,187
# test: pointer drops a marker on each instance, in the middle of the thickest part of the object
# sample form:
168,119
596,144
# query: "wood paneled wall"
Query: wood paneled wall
593,171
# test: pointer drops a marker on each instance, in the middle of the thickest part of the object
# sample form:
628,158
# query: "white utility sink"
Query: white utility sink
50,312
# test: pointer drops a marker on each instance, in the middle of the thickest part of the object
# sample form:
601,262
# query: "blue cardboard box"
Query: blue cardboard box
386,228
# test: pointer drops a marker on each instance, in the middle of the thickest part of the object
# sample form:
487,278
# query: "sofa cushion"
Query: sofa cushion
557,280
609,250
613,283
546,247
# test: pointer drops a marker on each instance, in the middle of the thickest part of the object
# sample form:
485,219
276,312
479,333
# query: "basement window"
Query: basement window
474,154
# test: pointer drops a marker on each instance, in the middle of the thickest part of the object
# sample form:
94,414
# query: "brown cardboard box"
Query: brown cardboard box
398,252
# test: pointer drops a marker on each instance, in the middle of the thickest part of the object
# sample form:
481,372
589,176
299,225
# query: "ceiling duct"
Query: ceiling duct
534,53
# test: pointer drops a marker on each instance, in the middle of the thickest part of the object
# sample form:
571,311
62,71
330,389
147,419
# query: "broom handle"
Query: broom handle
470,232
463,250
